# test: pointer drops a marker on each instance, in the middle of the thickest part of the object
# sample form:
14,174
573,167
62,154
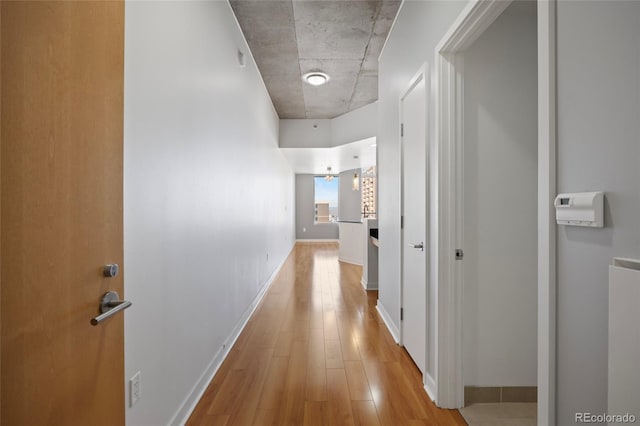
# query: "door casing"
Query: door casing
477,16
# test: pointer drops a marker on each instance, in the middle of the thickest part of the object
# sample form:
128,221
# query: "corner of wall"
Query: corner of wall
388,321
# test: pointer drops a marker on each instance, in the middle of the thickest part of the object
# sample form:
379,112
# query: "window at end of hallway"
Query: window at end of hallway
326,199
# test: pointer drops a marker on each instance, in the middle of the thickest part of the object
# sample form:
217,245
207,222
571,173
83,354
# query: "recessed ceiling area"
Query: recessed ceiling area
343,39
339,158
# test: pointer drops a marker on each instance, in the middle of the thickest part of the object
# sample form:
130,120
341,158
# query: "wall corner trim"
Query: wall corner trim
189,404
547,187
386,318
369,285
429,388
350,261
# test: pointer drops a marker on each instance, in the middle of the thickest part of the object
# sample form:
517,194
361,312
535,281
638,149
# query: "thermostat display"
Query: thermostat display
580,209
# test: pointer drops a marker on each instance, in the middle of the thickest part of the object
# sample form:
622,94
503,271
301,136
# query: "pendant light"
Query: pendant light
329,176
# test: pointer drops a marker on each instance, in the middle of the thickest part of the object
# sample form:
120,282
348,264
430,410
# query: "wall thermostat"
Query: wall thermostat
580,209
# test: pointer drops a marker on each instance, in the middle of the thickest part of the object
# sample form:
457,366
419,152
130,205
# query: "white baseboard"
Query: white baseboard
430,386
395,333
189,404
312,240
351,261
368,285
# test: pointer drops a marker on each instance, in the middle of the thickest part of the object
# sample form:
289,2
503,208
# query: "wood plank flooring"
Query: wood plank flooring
315,352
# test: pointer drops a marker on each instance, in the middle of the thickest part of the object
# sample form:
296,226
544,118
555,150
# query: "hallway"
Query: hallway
315,352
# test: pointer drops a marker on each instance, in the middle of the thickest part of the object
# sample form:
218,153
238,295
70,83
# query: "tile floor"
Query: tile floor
501,414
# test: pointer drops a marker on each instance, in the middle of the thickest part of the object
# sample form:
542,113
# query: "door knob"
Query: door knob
417,246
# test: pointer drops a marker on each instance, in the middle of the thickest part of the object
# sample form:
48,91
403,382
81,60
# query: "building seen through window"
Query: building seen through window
326,198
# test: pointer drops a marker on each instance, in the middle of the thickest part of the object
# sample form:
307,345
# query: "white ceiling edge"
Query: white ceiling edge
353,126
339,158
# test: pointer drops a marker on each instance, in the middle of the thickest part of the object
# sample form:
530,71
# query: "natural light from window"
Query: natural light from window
326,199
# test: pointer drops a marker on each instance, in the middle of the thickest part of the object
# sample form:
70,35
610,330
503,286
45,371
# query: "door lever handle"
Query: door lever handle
110,304
417,246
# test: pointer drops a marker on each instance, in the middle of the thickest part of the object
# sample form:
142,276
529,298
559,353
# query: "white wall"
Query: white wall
418,28
598,61
353,126
500,202
208,208
305,133
350,201
598,149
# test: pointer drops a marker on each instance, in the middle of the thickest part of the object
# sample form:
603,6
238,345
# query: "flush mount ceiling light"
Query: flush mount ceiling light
315,78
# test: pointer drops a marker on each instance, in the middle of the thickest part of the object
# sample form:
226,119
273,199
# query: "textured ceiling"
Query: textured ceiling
341,38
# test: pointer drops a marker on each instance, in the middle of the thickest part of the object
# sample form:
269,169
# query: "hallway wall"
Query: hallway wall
598,103
209,199
418,28
598,150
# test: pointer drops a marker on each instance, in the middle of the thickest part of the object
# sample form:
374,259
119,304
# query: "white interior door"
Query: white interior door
413,110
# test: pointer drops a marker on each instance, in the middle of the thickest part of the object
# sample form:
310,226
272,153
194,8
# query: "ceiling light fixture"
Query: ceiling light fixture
316,78
329,176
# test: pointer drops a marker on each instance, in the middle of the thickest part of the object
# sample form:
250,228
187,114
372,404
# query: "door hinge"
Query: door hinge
401,314
459,254
401,222
401,129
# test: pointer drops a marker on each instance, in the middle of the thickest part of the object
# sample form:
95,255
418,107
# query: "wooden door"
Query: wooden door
61,178
413,107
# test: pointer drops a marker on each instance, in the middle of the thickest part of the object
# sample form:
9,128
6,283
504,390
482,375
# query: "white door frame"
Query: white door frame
422,74
477,16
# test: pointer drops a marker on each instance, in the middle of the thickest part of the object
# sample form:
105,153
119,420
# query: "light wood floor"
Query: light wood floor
315,352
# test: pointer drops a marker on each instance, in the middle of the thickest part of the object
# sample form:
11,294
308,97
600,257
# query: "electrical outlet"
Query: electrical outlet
134,389
304,229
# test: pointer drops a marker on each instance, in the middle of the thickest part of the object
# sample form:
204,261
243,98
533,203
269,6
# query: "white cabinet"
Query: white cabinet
351,245
624,338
